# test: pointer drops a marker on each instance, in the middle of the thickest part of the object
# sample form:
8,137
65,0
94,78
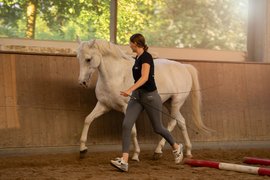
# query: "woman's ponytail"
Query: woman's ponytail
139,40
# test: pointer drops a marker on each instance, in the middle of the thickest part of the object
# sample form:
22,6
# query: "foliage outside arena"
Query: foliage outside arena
212,24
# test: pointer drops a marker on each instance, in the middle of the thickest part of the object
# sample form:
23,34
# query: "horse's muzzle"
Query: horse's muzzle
83,84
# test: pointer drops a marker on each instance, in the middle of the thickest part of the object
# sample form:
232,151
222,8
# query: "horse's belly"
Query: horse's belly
172,79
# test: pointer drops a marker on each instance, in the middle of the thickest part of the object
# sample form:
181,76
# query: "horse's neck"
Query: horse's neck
111,70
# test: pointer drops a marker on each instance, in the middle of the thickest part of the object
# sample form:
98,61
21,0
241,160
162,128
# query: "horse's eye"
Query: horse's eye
88,60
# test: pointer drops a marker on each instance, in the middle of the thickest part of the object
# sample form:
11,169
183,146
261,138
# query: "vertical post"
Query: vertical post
113,21
258,45
267,36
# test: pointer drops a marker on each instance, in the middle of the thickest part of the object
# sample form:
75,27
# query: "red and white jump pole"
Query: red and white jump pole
254,160
229,166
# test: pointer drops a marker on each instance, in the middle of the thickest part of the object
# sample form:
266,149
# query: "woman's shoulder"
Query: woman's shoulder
147,54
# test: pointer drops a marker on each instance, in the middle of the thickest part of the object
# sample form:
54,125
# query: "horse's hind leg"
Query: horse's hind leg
177,103
182,124
97,111
135,144
161,144
176,118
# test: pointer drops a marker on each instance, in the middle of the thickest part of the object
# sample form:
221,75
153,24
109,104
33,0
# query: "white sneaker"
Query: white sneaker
120,164
178,154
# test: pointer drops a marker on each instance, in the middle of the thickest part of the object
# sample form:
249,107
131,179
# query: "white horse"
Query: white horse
174,81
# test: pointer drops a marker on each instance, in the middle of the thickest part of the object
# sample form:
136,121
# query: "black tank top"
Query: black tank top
146,57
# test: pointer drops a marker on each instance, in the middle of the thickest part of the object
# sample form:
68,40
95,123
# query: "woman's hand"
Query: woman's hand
125,93
145,75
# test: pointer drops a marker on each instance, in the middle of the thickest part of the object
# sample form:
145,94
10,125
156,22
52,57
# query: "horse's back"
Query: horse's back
171,70
169,65
172,77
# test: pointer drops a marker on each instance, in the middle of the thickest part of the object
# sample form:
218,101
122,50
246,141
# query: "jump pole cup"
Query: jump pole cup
228,166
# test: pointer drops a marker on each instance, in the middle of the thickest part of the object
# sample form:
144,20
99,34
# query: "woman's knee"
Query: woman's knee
159,130
126,126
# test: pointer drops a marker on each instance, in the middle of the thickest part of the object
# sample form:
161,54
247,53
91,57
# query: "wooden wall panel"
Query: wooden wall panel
41,104
8,94
233,94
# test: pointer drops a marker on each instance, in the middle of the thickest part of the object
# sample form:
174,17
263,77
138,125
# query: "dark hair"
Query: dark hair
139,40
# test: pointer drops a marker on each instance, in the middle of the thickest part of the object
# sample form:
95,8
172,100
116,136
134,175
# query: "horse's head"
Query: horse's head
89,60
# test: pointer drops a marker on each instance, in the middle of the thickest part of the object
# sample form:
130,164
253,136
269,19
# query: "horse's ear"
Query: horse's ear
78,39
91,43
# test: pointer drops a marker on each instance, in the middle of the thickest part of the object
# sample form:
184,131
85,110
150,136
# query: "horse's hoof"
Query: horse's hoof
83,154
157,156
135,157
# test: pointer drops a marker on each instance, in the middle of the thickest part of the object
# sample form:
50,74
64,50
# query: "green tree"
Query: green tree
214,24
55,20
11,13
87,18
137,16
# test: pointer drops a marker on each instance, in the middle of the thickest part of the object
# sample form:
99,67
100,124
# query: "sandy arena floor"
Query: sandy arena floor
96,166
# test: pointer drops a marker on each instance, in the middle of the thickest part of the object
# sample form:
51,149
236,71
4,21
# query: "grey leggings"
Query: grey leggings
151,102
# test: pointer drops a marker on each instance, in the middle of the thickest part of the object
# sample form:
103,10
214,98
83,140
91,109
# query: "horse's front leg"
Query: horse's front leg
97,111
135,144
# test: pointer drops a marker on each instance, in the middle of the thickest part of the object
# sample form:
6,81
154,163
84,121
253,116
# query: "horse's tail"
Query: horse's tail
196,99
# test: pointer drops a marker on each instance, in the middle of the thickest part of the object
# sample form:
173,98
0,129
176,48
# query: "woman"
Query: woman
145,96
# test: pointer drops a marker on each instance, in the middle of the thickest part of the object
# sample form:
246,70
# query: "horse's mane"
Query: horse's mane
108,48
